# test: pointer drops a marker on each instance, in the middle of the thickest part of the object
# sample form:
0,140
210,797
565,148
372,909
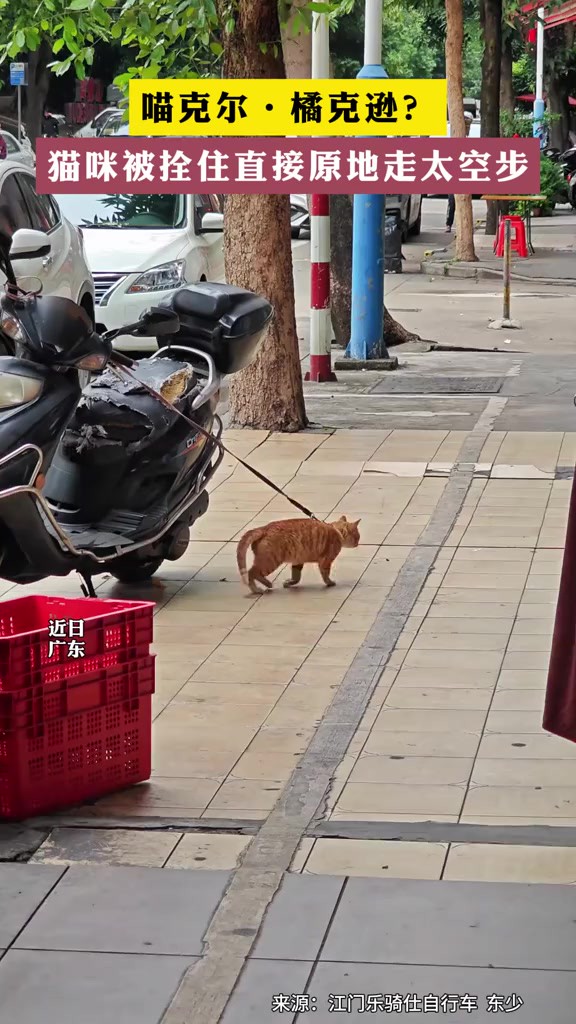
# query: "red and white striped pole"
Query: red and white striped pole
320,327
320,324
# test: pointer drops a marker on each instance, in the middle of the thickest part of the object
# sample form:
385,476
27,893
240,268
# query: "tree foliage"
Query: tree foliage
412,43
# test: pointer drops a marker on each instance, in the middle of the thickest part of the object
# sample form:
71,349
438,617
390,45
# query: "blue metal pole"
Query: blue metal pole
367,326
538,127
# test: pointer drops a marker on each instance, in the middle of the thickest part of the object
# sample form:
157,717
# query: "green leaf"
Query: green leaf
230,26
145,22
79,5
44,25
20,39
263,47
69,26
217,49
58,45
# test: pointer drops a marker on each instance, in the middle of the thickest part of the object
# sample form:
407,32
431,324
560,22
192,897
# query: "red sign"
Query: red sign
281,165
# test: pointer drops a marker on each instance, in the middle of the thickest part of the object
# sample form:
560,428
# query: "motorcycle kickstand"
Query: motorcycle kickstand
87,585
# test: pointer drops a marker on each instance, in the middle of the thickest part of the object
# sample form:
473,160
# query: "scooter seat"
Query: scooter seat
124,412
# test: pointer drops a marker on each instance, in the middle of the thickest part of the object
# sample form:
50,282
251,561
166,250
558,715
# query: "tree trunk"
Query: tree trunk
37,90
341,279
454,48
395,333
507,98
257,247
557,96
296,45
341,267
491,19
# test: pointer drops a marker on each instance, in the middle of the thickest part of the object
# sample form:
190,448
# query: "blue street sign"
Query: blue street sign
18,74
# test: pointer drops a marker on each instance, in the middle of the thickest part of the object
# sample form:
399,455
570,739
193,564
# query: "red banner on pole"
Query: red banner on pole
267,165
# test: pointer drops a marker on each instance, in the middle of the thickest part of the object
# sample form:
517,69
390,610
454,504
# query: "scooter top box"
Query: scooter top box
45,639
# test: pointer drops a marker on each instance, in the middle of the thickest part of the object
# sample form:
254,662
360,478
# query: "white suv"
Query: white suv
142,247
64,271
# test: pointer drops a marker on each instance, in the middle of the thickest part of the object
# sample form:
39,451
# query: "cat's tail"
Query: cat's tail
249,538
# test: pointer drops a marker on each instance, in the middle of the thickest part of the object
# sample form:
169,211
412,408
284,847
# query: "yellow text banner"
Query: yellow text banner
293,107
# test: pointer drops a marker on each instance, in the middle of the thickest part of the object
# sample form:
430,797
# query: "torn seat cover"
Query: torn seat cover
122,412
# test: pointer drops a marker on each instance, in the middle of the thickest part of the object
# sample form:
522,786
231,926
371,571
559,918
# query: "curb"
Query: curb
478,272
366,364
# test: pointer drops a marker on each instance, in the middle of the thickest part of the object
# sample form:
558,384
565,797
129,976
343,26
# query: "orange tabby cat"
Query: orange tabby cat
294,542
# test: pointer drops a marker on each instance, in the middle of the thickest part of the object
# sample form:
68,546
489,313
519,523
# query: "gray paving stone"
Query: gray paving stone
455,923
548,995
251,1002
22,889
127,910
87,988
298,917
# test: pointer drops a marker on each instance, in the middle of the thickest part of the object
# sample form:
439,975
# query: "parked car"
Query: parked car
410,213
97,124
142,247
475,132
299,215
22,152
64,271
114,125
409,208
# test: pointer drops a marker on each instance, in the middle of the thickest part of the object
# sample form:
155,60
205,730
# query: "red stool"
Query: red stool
518,241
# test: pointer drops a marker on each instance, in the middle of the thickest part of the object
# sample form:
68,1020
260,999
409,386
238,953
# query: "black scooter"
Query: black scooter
109,478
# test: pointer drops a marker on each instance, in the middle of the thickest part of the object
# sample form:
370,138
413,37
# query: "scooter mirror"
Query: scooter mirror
157,322
28,244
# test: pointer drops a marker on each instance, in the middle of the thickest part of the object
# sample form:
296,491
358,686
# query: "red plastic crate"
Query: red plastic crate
115,632
71,760
33,706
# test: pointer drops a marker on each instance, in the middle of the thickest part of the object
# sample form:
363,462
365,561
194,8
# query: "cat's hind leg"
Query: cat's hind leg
296,576
254,575
266,582
325,567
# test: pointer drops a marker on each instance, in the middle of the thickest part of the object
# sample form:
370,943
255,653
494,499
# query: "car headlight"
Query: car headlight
160,279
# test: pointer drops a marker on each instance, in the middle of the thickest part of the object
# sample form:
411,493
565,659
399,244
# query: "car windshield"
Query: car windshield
125,211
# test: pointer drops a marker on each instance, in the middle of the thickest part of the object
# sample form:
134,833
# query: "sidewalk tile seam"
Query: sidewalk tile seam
281,806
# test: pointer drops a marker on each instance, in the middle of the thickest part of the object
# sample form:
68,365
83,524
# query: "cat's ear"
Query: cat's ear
357,523
343,519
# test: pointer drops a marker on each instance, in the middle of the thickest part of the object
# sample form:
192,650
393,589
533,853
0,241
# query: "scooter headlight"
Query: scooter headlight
16,390
12,327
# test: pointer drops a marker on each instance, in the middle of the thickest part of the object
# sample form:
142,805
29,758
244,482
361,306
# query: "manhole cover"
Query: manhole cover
409,385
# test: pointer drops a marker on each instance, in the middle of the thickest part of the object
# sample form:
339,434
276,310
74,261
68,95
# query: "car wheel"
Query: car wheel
417,225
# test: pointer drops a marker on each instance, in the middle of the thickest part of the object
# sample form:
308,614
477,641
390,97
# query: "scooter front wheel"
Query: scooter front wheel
132,569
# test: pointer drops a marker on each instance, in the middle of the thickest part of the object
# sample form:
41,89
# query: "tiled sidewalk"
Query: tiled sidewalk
452,738
242,683
112,944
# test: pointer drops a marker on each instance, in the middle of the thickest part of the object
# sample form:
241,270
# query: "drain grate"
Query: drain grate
417,385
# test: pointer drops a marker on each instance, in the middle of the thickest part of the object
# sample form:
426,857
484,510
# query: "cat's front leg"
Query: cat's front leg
325,568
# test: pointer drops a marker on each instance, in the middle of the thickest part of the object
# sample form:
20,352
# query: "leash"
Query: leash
122,370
